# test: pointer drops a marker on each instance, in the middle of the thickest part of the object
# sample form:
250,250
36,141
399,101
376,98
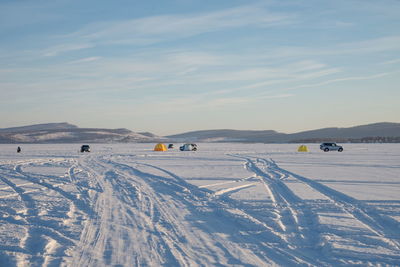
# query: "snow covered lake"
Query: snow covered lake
223,205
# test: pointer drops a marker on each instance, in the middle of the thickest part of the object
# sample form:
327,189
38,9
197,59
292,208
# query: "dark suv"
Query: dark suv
85,148
330,146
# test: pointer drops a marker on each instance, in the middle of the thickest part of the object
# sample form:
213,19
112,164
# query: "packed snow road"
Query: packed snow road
224,205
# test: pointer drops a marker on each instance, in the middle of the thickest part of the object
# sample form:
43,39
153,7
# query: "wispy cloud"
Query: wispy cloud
169,73
84,60
387,43
344,79
202,102
62,48
276,96
390,62
149,30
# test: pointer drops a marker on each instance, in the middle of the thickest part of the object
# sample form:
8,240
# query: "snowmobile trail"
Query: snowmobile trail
230,209
40,236
40,180
163,220
294,218
382,226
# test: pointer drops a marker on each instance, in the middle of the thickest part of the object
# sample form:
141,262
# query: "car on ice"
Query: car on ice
85,148
188,147
330,146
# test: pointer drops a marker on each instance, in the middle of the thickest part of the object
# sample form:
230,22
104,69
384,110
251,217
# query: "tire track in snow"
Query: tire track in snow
39,180
169,233
35,244
139,219
27,191
295,219
78,183
122,204
29,211
352,207
234,208
281,194
91,240
383,226
355,209
192,197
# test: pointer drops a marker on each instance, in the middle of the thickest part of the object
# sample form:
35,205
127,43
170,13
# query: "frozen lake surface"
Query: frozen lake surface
223,205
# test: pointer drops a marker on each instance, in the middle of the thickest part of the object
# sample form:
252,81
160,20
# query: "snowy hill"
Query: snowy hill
39,127
68,133
384,129
388,132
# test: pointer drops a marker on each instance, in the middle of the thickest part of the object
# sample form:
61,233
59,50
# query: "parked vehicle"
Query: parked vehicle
330,147
188,147
85,148
170,146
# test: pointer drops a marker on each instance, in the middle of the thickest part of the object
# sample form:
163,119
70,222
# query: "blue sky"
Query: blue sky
175,66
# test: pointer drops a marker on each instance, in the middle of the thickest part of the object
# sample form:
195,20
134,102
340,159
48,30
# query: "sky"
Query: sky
182,65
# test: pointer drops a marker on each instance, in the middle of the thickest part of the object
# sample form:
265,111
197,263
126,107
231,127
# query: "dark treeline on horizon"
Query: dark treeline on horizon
371,139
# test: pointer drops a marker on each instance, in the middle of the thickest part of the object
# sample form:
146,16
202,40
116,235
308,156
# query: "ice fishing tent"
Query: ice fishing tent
302,148
160,147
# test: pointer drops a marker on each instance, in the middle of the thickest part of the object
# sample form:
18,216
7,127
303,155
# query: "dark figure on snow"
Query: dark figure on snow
18,149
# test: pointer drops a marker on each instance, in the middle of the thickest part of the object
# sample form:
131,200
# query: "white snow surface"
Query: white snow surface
223,205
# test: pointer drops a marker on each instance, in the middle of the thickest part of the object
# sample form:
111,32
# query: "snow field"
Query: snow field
223,205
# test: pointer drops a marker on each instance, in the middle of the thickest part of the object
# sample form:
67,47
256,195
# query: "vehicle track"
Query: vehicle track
144,219
380,225
231,209
136,207
38,233
295,219
39,179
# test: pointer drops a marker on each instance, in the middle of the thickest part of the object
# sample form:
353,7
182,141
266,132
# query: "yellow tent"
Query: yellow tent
160,147
302,148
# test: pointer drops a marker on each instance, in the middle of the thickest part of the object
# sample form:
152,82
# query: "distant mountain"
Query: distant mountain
226,135
383,129
38,127
377,132
148,134
68,133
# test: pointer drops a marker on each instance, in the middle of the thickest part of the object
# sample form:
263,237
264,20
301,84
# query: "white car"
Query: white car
188,147
330,146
